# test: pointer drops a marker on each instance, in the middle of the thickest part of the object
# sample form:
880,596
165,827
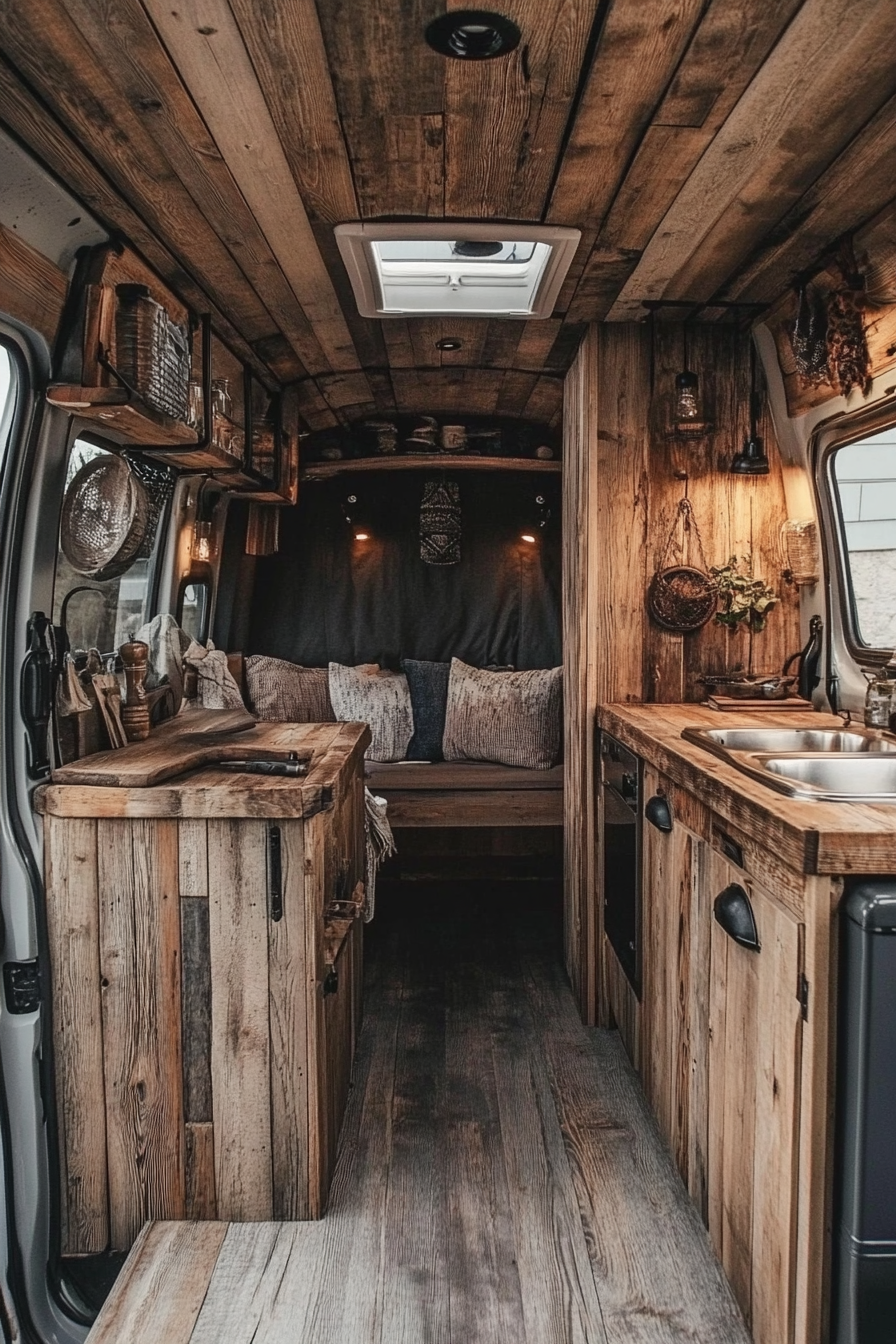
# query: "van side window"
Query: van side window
862,479
100,613
7,401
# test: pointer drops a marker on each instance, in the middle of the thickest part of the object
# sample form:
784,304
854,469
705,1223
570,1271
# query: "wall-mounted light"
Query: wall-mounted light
537,522
203,545
350,511
449,343
751,460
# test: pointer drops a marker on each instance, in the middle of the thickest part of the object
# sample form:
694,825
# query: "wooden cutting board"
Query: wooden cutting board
172,751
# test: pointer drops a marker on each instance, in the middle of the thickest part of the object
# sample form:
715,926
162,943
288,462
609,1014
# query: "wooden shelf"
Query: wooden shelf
120,413
322,471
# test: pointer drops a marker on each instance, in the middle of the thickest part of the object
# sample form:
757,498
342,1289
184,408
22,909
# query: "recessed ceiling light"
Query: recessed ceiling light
449,343
472,35
495,270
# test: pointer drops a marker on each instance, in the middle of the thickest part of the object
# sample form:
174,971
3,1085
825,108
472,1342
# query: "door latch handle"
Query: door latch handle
37,693
658,812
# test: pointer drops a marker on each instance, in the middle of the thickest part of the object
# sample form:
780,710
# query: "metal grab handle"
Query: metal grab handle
658,812
733,912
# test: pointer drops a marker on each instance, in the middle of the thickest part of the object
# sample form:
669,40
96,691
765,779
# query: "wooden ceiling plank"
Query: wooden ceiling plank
424,333
277,353
64,156
503,335
576,269
515,389
781,121
366,332
501,165
602,279
125,42
49,52
857,186
565,347
313,407
639,51
390,97
536,344
285,42
205,45
545,400
794,167
399,346
383,391
471,332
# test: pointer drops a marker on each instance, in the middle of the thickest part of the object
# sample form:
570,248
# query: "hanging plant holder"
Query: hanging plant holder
681,598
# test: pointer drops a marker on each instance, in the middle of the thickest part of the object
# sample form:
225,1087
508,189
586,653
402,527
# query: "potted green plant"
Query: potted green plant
744,603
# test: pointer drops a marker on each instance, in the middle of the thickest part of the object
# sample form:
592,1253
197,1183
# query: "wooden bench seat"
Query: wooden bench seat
467,793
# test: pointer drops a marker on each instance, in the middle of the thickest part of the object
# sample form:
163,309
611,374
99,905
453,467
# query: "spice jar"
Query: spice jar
222,415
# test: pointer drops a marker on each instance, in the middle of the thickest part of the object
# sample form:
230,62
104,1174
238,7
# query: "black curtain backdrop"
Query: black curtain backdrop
326,597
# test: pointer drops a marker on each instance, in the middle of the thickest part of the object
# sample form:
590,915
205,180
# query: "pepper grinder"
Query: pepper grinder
135,710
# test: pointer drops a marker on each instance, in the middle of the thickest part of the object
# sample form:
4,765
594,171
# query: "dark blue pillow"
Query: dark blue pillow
428,684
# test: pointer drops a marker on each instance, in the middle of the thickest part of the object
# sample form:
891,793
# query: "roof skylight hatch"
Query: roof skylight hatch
456,270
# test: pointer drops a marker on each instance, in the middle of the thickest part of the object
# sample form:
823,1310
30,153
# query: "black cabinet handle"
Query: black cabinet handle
658,812
275,874
731,849
734,913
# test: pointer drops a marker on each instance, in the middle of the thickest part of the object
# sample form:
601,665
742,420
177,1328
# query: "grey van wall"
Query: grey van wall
328,597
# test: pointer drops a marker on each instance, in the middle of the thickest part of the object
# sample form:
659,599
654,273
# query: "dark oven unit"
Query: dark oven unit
620,782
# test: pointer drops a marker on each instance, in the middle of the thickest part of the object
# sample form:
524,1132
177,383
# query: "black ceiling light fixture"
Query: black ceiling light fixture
472,35
449,343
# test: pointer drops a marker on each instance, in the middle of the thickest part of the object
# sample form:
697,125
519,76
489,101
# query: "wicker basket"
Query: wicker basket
681,598
152,352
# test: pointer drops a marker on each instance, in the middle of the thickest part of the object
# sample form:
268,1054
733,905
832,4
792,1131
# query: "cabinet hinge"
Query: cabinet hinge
802,994
21,981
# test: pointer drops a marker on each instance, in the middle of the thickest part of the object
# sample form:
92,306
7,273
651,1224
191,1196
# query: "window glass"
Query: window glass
863,475
7,400
193,610
103,614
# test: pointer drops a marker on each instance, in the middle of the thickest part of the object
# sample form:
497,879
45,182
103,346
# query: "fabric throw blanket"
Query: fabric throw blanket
440,523
167,646
215,686
380,845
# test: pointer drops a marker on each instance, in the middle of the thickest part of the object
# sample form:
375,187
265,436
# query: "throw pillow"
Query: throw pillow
286,692
428,684
511,718
381,700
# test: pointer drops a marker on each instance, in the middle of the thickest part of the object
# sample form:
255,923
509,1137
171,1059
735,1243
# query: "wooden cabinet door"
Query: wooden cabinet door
675,973
754,1108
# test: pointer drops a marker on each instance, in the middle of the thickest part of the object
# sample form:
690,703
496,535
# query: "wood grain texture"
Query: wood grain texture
161,1289
805,837
582,681
291,1047
200,1201
73,933
196,1008
32,289
140,966
240,1042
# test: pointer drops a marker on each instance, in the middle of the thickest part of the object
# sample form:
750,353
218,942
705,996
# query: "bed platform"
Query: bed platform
467,793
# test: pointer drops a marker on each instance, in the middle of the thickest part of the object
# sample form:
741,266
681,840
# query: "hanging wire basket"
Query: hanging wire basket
682,598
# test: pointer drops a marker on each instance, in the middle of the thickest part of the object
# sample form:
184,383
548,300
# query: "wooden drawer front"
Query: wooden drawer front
756,859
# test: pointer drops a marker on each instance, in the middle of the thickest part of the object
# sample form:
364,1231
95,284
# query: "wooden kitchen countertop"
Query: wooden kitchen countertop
809,837
120,783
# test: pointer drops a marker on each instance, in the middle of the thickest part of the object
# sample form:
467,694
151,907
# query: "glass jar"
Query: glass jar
222,415
879,701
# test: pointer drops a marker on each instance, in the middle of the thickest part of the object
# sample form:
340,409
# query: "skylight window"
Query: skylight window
469,270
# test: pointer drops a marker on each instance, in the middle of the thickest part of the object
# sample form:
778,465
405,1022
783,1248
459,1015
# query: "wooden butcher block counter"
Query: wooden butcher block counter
809,837
206,985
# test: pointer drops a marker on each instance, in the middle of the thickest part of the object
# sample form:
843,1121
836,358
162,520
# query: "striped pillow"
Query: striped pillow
510,718
381,700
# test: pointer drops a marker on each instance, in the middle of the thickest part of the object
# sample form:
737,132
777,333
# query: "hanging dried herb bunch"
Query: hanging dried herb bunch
742,597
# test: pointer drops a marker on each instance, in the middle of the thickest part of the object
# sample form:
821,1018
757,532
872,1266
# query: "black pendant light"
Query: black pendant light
751,460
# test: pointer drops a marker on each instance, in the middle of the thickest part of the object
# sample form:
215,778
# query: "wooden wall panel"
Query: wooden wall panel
32,289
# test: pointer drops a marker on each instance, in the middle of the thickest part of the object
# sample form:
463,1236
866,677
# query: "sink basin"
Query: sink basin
869,777
793,739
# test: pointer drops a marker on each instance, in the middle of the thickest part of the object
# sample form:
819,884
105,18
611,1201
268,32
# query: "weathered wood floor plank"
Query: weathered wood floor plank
500,1179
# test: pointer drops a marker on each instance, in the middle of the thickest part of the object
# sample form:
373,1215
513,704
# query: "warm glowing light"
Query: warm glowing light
362,536
202,542
203,549
527,536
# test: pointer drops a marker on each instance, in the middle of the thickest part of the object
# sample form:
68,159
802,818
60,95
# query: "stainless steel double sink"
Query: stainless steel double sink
849,764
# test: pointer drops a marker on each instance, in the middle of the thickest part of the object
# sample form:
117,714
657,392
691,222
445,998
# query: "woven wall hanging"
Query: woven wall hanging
681,597
440,523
